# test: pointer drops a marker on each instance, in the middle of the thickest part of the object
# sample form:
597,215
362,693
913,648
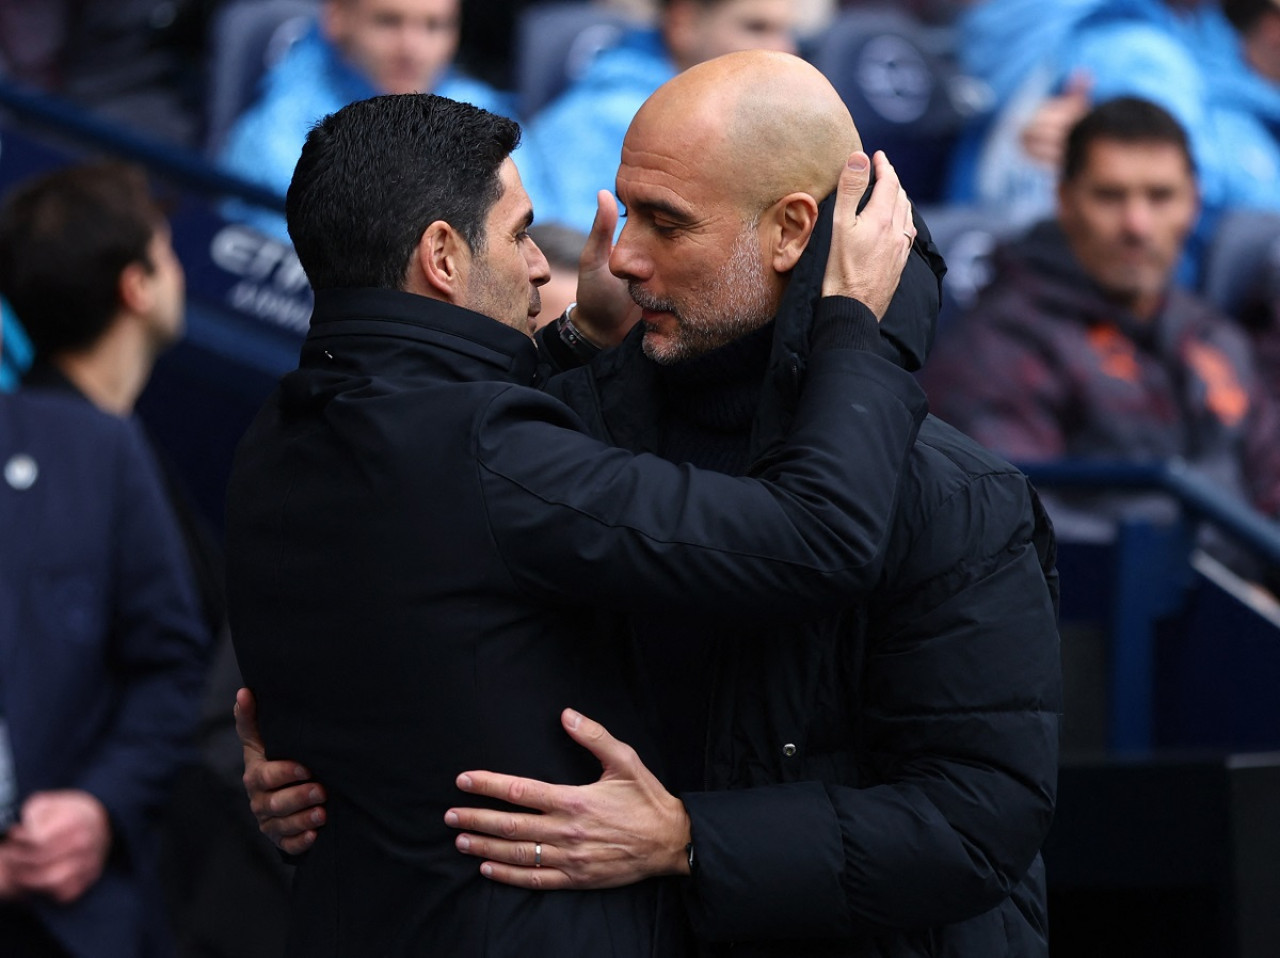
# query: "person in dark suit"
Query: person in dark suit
447,547
101,669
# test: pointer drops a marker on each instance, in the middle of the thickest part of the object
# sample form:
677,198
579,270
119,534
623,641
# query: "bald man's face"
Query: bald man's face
697,31
690,249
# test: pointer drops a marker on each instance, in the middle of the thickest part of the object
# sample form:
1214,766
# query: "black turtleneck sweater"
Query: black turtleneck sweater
708,407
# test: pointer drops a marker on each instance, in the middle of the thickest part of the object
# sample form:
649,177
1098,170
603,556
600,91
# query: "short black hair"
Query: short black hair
1244,14
375,174
1125,119
65,238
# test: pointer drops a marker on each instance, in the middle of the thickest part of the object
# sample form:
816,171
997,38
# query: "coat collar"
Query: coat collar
487,348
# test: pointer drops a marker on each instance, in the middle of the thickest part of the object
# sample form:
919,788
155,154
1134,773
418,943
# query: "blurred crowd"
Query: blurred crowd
1112,144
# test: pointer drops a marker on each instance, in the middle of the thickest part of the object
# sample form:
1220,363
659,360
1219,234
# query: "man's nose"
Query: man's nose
1137,218
539,268
626,261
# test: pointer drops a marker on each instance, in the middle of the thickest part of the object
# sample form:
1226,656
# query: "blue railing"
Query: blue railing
183,167
1148,576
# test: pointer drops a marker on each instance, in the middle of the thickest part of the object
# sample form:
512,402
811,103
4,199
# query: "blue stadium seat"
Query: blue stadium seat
898,78
1242,264
966,236
246,38
555,42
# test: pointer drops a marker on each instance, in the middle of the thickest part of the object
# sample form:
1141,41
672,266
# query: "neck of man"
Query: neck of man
112,372
710,402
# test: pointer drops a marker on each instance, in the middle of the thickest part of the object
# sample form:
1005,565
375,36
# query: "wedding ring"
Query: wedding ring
537,854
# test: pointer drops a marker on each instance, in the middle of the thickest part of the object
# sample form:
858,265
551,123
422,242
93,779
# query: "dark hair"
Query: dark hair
1244,14
375,174
1126,119
65,238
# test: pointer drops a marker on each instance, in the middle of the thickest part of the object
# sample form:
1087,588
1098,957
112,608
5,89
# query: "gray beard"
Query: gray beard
736,300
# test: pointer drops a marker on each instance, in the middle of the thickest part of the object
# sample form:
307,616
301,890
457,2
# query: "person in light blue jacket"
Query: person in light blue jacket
355,50
572,147
1187,57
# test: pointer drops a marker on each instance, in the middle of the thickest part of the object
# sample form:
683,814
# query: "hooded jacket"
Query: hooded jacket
877,782
1046,366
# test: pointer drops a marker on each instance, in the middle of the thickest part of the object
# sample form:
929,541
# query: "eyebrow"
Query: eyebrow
662,207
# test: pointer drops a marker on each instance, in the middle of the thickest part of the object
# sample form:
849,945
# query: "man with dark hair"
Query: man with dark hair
857,783
1084,346
101,646
87,257
441,548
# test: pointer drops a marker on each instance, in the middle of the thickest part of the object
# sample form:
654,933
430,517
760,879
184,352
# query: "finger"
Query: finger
296,845
262,776
853,183
526,854
538,879
525,792
509,826
246,713
595,254
299,804
595,738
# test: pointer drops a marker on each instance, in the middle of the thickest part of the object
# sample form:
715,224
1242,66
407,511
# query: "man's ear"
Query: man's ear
134,288
790,223
440,263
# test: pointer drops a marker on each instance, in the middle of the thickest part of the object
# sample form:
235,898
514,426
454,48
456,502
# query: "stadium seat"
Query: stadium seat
1242,263
555,42
966,236
897,76
247,37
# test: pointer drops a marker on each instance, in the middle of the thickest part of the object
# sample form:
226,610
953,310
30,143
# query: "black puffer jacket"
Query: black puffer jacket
879,782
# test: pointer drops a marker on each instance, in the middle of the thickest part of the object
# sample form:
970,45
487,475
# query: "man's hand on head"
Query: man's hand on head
621,829
869,249
59,847
605,312
288,805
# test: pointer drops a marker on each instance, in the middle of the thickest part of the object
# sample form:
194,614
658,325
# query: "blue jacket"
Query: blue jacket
310,82
101,649
574,143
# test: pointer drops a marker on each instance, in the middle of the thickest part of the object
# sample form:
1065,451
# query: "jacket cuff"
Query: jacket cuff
843,323
768,864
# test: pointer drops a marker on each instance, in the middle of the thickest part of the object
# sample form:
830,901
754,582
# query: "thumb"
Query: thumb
595,738
855,176
599,245
1079,85
246,712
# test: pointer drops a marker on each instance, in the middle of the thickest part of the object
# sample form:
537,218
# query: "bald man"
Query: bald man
876,782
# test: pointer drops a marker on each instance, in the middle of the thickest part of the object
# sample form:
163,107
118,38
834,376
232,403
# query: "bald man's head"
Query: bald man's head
764,124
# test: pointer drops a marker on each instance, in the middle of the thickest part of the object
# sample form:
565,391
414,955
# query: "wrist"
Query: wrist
580,343
680,852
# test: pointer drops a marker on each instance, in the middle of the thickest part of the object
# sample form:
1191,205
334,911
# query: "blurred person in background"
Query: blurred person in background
356,49
1214,66
95,282
574,143
102,648
1084,346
